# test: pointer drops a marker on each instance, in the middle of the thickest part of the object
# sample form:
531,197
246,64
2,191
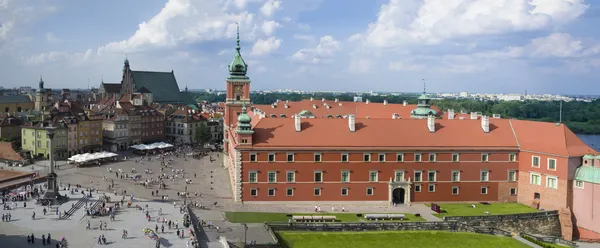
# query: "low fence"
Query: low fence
386,226
535,215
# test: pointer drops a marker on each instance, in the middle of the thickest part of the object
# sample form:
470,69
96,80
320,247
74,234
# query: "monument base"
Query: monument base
52,195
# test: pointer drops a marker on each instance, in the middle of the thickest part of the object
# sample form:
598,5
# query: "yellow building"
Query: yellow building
35,140
13,104
85,131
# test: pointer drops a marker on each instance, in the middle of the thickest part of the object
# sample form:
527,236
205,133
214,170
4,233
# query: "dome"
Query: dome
244,118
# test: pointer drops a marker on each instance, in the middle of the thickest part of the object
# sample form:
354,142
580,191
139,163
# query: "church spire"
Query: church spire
238,48
41,86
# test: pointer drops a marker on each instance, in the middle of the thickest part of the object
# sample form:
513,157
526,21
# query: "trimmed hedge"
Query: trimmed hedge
538,242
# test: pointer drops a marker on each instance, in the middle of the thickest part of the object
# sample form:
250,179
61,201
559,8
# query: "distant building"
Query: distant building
10,127
14,104
85,131
34,139
159,87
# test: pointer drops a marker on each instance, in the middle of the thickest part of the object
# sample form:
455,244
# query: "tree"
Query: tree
202,135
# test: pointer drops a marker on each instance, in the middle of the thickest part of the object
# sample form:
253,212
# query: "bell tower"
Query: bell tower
238,90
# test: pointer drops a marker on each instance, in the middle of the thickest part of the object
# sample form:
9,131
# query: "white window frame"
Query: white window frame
487,190
287,157
555,182
417,187
512,179
531,175
376,176
255,176
269,176
255,190
420,156
510,191
555,164
379,157
342,176
398,179
342,192
320,157
457,157
367,157
429,187
370,189
487,176
434,176
430,156
533,159
314,175
457,190
401,155
271,190
347,158
269,157
420,176
579,187
512,157
486,156
315,191
253,155
287,173
452,176
288,190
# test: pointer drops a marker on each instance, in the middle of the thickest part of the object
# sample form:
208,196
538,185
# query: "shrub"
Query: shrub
537,242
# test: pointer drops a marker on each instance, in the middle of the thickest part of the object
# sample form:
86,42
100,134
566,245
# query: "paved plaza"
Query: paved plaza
209,180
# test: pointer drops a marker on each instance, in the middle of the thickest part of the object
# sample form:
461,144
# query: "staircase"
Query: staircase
75,207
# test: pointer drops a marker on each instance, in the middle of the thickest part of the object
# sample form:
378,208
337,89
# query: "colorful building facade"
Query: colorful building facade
34,138
586,198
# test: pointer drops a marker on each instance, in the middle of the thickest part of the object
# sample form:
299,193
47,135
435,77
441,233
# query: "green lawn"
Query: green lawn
258,217
391,239
465,209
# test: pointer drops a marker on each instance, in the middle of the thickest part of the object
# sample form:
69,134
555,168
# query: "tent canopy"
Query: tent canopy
79,158
157,145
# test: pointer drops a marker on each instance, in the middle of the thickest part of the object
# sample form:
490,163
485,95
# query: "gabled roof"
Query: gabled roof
15,99
111,88
382,134
143,90
549,138
162,84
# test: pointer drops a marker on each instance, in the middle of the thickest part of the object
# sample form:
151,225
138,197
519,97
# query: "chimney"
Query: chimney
485,123
496,116
278,100
287,101
314,106
352,123
473,115
297,123
286,105
395,116
404,103
450,114
340,104
323,99
311,99
385,102
367,102
337,100
431,123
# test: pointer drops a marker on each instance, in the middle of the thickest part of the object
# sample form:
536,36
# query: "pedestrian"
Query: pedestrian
43,240
177,232
162,228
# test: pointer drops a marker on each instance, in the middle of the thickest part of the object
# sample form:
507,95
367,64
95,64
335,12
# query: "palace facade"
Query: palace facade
332,151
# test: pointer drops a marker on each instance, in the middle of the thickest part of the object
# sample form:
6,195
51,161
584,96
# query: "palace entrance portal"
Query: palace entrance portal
398,195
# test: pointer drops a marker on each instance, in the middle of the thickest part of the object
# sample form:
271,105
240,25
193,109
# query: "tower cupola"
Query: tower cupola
244,120
238,67
423,109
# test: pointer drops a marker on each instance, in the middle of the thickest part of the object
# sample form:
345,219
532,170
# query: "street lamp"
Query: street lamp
245,233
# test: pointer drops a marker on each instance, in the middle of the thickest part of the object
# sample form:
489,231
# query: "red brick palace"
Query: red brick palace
319,150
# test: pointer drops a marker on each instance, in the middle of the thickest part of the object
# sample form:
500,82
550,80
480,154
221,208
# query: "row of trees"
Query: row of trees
581,117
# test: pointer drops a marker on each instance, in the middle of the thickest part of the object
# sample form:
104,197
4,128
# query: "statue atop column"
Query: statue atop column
52,195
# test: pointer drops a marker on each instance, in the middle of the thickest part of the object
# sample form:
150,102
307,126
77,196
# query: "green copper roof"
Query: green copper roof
238,67
163,85
588,174
243,118
598,157
588,156
423,112
305,113
423,97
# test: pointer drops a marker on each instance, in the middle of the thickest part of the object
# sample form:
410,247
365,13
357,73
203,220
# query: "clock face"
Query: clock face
238,89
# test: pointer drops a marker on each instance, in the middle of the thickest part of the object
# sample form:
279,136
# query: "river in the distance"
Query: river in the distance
592,140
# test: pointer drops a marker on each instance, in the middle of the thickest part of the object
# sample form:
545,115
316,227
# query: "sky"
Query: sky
490,46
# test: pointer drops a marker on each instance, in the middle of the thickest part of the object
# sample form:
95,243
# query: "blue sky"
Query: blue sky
493,46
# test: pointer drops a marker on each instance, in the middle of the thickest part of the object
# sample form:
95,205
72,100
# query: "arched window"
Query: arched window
237,98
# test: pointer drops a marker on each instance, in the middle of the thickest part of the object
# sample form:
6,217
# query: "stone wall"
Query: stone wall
543,223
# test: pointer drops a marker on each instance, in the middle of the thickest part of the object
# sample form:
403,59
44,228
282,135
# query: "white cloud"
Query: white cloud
360,66
264,47
325,50
556,45
54,56
304,37
405,66
50,37
268,27
431,22
270,7
185,21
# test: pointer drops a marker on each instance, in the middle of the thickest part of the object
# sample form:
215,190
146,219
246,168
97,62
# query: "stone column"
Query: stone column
52,193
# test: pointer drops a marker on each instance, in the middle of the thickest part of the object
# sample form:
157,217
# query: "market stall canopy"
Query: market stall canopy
80,158
157,145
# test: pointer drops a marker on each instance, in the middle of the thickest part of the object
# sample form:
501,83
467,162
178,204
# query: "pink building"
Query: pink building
586,198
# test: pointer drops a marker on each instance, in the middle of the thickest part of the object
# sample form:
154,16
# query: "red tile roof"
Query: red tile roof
549,138
359,109
7,152
382,134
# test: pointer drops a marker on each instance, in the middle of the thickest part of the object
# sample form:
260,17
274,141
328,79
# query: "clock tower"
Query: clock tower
238,91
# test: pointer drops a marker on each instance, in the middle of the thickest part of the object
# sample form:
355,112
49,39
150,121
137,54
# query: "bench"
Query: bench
384,216
314,218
